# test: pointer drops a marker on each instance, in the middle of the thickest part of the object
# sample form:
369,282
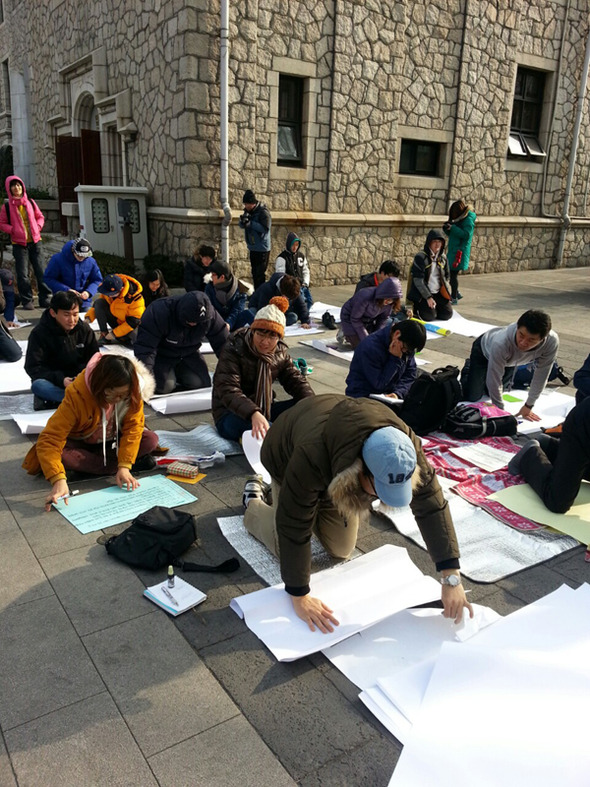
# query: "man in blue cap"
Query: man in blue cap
329,457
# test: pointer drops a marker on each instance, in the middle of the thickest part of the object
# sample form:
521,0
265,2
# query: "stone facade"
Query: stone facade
375,72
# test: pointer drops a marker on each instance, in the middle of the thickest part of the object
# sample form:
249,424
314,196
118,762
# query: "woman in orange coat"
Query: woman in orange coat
98,428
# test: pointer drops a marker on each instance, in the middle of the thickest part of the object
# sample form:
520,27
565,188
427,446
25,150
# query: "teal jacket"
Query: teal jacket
460,236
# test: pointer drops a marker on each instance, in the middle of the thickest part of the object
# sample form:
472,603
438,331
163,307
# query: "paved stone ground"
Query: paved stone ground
98,686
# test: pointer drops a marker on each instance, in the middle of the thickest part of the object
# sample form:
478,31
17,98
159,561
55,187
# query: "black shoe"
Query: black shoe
29,306
42,404
144,463
514,463
328,321
561,375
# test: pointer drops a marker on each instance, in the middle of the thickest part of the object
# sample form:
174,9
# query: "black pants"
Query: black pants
454,283
105,319
555,469
183,374
475,371
442,311
259,264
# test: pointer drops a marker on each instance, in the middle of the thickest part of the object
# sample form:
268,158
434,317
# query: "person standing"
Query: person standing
74,269
459,228
256,222
21,218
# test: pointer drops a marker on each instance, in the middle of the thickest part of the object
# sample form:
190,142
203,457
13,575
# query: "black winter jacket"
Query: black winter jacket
53,354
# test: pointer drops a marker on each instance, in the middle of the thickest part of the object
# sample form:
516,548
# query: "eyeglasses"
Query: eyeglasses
267,334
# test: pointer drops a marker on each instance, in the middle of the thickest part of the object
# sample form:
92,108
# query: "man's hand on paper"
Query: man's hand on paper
454,601
260,426
125,479
527,413
315,613
58,490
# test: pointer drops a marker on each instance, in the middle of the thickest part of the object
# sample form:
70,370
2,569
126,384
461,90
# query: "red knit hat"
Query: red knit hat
272,316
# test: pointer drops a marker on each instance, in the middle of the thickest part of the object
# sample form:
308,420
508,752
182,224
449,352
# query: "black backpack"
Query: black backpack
158,538
431,397
467,423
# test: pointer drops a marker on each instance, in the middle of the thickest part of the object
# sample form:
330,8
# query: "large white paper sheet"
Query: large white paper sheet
106,507
386,712
182,402
519,721
331,348
297,330
361,593
13,377
551,406
465,327
33,423
484,456
252,446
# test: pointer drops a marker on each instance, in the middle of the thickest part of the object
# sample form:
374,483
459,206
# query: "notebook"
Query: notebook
177,599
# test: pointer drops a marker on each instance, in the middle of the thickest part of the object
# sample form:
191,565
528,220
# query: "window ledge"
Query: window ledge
299,174
524,165
419,182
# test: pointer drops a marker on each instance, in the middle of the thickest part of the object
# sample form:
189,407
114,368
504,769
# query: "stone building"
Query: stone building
356,121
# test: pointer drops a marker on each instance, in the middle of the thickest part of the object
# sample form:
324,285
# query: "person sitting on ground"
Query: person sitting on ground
12,299
293,262
384,362
9,348
251,361
170,335
98,428
21,218
429,287
497,352
460,228
369,310
59,347
554,467
154,286
74,268
224,293
329,458
582,381
120,306
197,267
388,268
289,287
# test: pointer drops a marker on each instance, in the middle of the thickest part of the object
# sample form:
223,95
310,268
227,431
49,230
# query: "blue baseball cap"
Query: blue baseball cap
111,285
391,457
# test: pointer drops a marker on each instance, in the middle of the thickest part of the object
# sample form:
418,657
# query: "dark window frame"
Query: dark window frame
527,114
290,120
410,157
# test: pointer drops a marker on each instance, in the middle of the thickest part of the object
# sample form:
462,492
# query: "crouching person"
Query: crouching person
98,428
253,358
329,457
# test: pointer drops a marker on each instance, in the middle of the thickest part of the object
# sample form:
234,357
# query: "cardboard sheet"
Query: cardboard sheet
361,593
524,501
106,507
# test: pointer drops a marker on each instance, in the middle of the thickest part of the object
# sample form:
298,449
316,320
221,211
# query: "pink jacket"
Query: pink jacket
15,226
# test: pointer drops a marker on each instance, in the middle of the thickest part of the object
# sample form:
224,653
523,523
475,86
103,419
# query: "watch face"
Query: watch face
453,580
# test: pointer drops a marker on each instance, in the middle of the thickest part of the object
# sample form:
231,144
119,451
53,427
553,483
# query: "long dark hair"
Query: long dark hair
114,371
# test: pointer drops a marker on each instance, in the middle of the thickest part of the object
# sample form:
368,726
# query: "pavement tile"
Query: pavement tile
6,772
21,577
48,533
43,664
370,764
87,743
287,703
534,583
96,591
160,685
203,761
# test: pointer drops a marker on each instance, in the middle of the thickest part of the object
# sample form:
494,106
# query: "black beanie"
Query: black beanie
249,197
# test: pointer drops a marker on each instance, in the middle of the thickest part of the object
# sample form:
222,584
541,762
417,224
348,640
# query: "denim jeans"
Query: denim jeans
47,390
21,263
232,427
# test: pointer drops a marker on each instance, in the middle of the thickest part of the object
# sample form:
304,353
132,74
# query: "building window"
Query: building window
421,158
527,110
289,138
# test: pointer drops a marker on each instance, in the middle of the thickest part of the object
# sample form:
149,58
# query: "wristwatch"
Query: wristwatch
453,580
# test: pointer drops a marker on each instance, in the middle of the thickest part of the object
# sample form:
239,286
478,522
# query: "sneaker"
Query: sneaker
459,296
146,462
253,490
454,301
514,463
28,307
561,375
